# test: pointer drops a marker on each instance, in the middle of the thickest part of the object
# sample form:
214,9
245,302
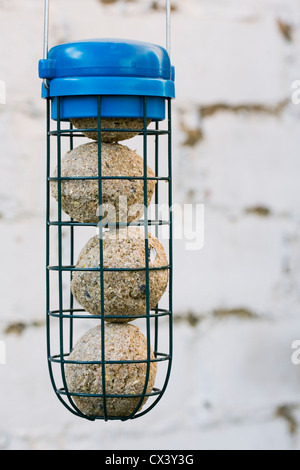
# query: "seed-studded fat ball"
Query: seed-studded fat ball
125,292
123,199
110,123
123,342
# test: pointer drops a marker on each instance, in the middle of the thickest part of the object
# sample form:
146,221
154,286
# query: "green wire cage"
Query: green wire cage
88,79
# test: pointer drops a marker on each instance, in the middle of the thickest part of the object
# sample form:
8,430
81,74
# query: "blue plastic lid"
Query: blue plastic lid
116,68
106,57
108,67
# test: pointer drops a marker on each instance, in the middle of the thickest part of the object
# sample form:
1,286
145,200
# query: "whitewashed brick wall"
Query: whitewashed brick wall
236,150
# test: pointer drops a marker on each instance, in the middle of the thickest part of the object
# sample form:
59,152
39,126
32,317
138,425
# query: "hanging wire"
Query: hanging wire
168,26
46,37
46,29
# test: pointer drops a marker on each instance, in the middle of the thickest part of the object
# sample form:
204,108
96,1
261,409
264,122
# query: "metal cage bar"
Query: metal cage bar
68,315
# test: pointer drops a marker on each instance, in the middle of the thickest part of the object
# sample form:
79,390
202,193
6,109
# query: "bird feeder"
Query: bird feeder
109,339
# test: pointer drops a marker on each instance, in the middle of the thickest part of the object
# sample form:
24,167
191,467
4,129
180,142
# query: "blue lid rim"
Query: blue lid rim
128,86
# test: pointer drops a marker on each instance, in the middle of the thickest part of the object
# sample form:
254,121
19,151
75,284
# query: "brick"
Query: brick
243,264
245,160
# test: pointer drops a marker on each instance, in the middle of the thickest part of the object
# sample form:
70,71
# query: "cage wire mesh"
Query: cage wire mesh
64,314
68,319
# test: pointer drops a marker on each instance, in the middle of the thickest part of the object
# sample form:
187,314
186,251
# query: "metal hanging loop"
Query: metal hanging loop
46,31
